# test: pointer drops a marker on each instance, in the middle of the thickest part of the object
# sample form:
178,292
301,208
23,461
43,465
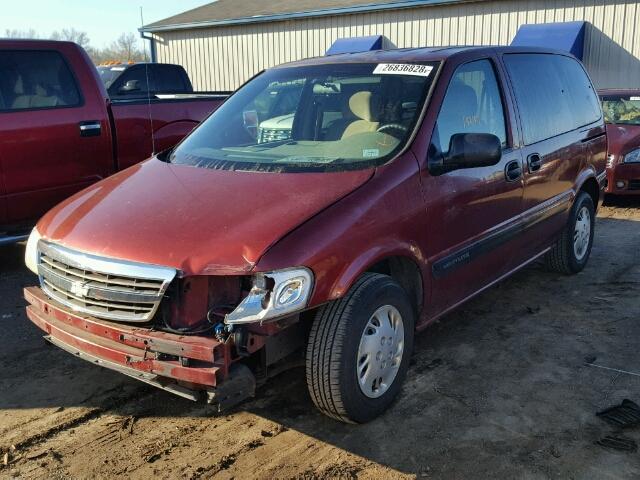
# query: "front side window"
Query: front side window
553,92
324,117
132,83
35,80
472,104
621,109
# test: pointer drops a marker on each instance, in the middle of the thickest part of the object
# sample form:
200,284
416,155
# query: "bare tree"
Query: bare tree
71,35
126,46
31,33
124,49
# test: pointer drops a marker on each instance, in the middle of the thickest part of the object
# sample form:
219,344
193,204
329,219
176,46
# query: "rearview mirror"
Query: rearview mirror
468,150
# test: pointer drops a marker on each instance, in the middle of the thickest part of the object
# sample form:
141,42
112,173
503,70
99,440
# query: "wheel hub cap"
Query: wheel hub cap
380,351
582,233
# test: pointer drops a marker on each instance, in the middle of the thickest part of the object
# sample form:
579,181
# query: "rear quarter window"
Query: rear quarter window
554,94
169,79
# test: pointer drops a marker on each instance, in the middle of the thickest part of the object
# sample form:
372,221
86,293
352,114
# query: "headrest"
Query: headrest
18,88
364,105
466,103
41,91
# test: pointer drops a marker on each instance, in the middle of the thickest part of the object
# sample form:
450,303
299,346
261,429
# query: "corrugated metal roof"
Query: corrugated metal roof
230,12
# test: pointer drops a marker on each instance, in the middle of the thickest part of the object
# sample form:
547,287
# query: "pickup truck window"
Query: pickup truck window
109,74
554,94
472,104
35,80
132,83
126,81
324,117
621,109
168,78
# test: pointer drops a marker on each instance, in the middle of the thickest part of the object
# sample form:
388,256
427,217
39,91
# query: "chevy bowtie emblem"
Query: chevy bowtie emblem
79,289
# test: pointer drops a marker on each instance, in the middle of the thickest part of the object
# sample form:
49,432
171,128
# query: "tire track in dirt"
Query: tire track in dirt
19,447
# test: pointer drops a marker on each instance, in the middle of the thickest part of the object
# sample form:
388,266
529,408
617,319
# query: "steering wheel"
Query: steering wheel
392,126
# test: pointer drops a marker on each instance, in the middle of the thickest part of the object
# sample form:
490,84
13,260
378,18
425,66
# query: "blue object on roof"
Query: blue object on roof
568,36
360,44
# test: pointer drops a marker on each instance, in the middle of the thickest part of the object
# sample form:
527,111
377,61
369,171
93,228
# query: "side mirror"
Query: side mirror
468,150
130,86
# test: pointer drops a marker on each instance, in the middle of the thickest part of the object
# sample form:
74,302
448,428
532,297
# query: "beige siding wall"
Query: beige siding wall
222,58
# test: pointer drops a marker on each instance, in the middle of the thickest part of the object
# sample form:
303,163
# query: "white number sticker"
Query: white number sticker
403,69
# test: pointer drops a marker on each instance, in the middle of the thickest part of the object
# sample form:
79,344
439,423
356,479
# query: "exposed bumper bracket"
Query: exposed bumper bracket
145,377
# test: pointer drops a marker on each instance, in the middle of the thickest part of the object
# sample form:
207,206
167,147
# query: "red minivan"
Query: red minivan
400,184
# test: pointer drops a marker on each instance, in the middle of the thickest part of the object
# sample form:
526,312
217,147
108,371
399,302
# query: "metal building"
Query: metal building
224,43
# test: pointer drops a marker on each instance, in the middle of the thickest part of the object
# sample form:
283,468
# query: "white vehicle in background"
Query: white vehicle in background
276,128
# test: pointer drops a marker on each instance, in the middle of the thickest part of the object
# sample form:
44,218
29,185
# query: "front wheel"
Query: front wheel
571,252
359,350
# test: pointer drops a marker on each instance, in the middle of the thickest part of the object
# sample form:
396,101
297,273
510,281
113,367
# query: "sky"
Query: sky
103,20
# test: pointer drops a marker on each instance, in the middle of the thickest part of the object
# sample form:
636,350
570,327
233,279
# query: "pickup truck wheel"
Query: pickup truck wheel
359,350
571,252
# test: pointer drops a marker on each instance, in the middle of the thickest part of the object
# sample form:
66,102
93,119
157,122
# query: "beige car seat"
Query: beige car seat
365,106
36,98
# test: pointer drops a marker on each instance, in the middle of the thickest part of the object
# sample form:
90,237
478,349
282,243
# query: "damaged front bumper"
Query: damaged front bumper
194,367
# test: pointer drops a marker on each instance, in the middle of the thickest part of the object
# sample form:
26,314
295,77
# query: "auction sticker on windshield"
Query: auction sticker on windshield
403,69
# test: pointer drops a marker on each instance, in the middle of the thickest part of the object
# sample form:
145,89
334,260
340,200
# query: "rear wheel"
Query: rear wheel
359,350
571,252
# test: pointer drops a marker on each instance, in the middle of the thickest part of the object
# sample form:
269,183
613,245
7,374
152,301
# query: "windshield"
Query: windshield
318,118
621,109
108,75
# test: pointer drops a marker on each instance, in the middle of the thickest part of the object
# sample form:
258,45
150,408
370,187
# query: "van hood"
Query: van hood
623,138
197,220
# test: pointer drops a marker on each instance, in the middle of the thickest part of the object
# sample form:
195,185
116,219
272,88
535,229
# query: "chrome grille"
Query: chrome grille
611,160
273,135
102,287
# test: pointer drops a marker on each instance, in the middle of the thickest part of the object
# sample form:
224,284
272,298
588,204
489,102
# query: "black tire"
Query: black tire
334,340
562,257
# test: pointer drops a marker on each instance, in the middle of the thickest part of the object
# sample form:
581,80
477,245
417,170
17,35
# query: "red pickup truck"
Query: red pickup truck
404,183
60,131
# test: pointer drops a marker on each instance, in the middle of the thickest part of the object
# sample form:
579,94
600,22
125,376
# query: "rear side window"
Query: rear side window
35,80
554,94
169,79
621,109
472,104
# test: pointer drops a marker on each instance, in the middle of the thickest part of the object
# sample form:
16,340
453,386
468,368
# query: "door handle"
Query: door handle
513,171
534,161
90,128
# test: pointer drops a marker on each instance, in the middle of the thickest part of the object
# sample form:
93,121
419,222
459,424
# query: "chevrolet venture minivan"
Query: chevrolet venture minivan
406,182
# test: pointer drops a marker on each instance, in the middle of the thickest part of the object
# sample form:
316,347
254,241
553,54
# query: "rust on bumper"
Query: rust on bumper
182,364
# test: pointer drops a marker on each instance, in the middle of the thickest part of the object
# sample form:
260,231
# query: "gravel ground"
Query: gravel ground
498,389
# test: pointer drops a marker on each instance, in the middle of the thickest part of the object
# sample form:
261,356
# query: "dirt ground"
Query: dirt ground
498,389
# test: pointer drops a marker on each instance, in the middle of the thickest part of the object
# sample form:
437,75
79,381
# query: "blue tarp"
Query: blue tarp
568,36
359,44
